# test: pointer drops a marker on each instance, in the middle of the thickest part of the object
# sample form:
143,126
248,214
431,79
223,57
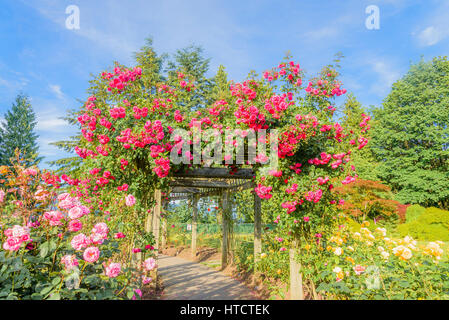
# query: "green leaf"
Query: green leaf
44,249
46,290
37,296
56,281
55,296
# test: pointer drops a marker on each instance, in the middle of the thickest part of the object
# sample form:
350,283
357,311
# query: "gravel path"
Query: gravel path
186,280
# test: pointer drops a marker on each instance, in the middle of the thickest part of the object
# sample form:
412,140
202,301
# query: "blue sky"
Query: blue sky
53,64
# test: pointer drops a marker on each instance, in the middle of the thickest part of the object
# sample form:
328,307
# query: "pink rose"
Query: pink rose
113,270
54,217
76,213
12,244
101,228
63,196
119,235
358,269
69,262
97,238
91,254
149,264
130,200
80,242
146,279
75,225
2,196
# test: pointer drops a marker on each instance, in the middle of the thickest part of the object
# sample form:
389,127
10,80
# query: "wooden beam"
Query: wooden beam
257,228
199,183
216,173
194,224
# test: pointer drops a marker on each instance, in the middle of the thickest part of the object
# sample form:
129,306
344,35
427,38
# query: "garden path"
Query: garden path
187,280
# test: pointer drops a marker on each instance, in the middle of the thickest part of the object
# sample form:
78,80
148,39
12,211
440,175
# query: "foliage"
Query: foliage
413,212
190,62
17,132
366,199
410,139
42,258
364,161
369,265
430,225
362,264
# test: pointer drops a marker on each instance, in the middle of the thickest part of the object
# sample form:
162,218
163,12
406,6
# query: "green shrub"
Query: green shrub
413,212
431,225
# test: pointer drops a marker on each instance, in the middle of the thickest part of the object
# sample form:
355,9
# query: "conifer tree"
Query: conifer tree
17,132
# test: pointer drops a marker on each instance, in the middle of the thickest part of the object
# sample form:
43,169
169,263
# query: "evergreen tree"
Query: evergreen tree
220,88
411,139
190,62
69,164
364,161
17,132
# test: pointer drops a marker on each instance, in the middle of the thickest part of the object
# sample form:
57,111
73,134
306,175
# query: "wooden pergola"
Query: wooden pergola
204,182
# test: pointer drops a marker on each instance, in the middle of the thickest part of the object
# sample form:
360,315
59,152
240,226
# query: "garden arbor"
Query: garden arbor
204,182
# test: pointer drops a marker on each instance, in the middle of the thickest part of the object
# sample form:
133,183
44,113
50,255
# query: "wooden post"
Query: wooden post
296,290
156,226
157,218
194,224
164,234
225,228
257,228
149,221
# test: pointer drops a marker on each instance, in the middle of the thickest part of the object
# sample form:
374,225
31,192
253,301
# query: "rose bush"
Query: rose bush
54,246
364,264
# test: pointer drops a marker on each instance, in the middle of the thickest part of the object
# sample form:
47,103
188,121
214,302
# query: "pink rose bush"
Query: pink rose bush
57,242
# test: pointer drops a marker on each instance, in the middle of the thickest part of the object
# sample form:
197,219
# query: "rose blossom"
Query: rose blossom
130,200
69,261
358,269
149,264
54,217
113,270
12,244
146,279
101,228
119,235
2,196
76,213
75,225
91,254
80,241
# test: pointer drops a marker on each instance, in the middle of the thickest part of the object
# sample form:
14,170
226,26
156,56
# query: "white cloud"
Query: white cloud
387,75
430,36
434,28
56,89
322,33
51,124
